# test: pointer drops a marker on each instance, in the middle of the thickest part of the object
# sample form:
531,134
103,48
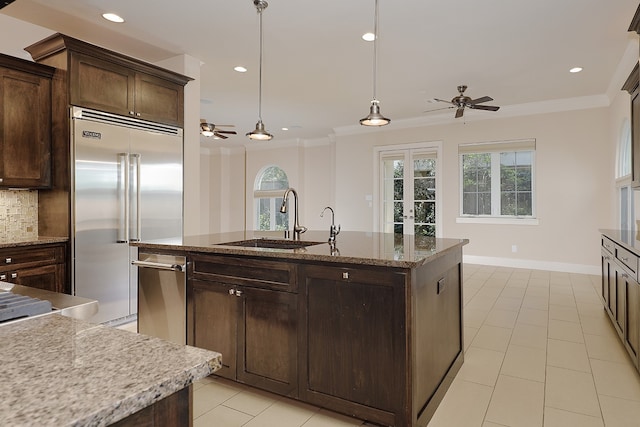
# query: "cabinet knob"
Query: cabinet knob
138,114
0,179
345,275
625,275
8,260
238,293
232,292
3,277
14,275
131,113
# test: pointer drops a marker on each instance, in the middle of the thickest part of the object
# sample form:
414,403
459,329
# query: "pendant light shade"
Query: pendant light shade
259,133
375,118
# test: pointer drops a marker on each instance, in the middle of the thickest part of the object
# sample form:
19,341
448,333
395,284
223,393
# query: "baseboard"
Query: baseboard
533,265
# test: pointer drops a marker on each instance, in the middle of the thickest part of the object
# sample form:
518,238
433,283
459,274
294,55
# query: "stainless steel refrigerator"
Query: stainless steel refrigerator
127,186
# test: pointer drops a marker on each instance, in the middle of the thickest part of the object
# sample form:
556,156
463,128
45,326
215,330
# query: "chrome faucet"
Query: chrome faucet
297,228
333,230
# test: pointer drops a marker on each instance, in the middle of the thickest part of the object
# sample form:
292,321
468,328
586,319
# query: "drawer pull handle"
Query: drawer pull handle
238,293
345,275
3,277
232,292
625,275
625,259
14,275
8,260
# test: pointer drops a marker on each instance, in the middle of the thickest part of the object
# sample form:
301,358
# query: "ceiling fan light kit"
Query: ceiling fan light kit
375,118
259,133
211,130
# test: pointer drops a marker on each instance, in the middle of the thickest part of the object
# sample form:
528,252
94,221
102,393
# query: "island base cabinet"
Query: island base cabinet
353,357
174,410
254,330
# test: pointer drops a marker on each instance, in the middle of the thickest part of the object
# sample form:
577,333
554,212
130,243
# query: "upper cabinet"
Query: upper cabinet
108,81
25,123
631,86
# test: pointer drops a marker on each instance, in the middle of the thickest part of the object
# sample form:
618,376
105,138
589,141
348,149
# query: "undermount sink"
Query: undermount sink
271,243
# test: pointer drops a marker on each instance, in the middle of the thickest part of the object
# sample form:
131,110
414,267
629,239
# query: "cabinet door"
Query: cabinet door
213,313
25,130
608,281
617,302
48,277
354,326
635,137
101,85
632,326
159,100
267,341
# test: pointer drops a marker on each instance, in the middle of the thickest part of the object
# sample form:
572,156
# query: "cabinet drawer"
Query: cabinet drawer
244,271
608,245
12,259
628,259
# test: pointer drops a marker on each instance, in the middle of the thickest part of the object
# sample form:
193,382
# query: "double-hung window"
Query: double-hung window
497,180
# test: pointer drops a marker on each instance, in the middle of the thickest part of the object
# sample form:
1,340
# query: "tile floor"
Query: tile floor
539,351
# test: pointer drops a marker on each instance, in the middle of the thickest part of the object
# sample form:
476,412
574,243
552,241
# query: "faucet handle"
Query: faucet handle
335,229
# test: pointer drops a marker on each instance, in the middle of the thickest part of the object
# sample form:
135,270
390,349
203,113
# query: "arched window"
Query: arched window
623,168
270,185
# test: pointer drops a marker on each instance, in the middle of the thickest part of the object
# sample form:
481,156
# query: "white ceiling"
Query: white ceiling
317,76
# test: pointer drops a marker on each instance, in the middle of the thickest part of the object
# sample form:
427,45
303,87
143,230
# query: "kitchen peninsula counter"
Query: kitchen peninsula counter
352,247
59,371
370,327
36,242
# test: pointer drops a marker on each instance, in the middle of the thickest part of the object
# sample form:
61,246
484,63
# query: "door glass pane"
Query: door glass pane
424,193
393,194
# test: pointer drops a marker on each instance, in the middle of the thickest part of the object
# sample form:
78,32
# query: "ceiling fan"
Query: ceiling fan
462,101
209,129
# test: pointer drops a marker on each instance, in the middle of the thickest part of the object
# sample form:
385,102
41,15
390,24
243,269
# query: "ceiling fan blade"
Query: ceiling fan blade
232,132
219,135
438,109
484,107
225,126
459,112
442,100
480,100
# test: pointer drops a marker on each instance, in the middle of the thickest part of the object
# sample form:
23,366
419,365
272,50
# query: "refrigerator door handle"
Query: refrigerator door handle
135,165
123,198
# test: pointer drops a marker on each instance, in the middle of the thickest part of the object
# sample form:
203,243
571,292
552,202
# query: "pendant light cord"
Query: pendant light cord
375,49
260,72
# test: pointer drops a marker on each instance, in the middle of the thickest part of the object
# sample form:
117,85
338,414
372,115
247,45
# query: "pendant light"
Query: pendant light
375,118
259,133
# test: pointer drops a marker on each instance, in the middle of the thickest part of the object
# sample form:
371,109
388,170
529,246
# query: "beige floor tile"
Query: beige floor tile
529,336
620,412
325,418
586,296
568,355
492,338
571,391
535,302
469,334
533,317
558,418
558,298
596,325
501,318
508,303
616,379
211,395
516,402
588,309
475,317
221,416
513,292
490,424
524,362
563,312
284,413
606,347
567,331
481,366
538,282
251,401
465,404
517,284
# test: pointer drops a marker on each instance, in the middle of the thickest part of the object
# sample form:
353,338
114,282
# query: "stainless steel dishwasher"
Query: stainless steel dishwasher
162,296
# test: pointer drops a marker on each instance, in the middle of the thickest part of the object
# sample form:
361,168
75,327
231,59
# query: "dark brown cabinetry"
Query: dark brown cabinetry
108,86
246,310
25,123
621,294
41,266
379,343
631,86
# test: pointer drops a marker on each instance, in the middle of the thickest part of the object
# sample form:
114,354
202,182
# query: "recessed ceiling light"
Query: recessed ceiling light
285,128
113,18
575,70
240,69
368,37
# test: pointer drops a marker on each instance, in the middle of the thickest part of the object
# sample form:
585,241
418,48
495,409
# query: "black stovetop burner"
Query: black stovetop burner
14,306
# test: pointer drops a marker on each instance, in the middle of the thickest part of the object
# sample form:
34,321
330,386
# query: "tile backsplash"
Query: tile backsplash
18,215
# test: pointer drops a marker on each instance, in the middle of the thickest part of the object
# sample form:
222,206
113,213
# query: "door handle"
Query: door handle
159,265
123,198
135,167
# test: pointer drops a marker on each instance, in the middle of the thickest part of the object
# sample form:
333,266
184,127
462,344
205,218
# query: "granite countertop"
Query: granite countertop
39,241
625,238
352,247
59,371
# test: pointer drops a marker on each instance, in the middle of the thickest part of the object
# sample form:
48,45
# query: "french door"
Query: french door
408,195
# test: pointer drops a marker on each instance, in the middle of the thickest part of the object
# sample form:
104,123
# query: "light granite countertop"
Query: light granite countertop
352,247
39,241
59,371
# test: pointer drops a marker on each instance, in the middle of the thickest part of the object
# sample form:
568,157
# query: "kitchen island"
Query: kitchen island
60,371
370,327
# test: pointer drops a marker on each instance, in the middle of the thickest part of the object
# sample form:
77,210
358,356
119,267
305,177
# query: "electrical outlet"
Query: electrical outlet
514,248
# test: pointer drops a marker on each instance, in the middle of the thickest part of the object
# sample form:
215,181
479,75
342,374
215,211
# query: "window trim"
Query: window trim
266,194
498,147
